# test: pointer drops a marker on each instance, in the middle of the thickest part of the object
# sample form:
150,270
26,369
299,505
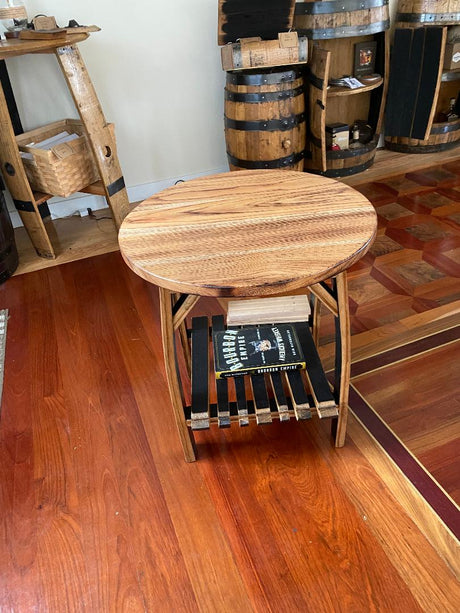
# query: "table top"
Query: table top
247,233
12,47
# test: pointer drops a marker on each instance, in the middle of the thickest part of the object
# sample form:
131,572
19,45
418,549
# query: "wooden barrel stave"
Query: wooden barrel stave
323,20
265,120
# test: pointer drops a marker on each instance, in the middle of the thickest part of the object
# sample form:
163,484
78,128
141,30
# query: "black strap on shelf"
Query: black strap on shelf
280,396
223,410
261,401
241,402
299,396
200,374
322,395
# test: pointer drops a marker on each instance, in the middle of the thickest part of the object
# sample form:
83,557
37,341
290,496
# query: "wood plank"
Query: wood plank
319,68
18,185
284,309
300,512
15,46
100,134
402,395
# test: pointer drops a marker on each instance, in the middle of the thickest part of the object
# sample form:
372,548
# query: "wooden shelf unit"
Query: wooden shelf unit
335,91
331,59
276,395
32,207
334,28
411,124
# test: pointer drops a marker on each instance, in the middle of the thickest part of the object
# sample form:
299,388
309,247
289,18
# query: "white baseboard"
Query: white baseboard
66,207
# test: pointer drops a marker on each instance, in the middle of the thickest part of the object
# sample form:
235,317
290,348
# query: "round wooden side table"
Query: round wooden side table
249,233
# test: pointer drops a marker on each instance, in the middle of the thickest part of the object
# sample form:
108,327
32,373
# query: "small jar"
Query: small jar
13,15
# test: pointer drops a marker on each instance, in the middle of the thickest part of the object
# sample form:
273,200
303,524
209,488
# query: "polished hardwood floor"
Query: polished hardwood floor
99,512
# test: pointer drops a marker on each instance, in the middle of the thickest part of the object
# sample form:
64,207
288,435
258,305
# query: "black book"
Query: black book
256,350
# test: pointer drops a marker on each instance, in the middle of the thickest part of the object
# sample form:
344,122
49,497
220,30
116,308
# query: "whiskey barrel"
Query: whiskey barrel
442,136
265,119
341,19
416,13
346,162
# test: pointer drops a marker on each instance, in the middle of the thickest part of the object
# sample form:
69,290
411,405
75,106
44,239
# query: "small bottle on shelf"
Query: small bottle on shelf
448,114
354,140
334,145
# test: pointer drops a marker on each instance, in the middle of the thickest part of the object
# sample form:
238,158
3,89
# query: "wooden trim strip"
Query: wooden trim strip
440,502
403,352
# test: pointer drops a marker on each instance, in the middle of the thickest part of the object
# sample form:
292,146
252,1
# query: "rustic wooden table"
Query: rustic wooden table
249,233
32,206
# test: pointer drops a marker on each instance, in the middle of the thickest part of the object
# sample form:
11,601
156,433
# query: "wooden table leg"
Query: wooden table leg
167,335
100,134
33,215
343,321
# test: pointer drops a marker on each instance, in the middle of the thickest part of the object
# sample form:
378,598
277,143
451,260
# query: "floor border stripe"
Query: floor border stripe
411,349
420,479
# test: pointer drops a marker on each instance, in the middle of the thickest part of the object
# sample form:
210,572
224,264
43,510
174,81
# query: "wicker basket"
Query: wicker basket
64,169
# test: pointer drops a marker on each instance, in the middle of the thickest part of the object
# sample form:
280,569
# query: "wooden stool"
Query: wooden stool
251,233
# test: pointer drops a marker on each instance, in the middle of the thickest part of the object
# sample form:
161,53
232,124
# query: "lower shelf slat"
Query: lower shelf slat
278,395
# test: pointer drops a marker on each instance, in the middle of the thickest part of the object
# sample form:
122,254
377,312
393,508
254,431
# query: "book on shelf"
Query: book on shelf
255,350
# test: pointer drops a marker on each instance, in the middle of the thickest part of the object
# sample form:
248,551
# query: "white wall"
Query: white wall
156,68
